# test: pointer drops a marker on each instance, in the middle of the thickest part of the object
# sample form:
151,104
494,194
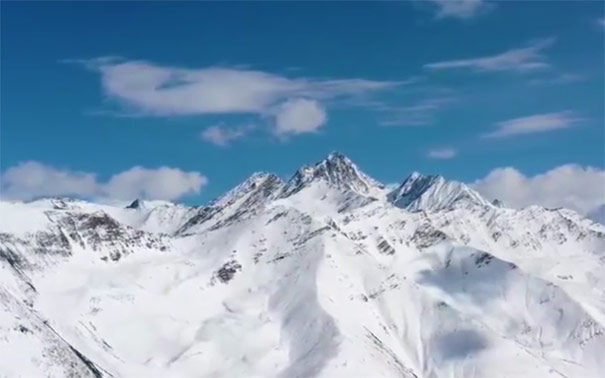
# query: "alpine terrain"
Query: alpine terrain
327,274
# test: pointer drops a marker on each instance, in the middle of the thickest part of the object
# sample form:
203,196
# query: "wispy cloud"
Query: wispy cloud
442,153
222,135
421,113
461,9
149,89
538,123
564,78
33,179
523,59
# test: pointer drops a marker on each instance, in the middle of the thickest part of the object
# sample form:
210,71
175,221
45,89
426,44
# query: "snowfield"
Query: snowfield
324,275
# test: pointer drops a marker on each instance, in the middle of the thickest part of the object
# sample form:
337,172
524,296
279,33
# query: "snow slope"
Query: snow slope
326,274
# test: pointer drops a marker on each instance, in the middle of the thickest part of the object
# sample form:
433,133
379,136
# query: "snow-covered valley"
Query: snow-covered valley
326,274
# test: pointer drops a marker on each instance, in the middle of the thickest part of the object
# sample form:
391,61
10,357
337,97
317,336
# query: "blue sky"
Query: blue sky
216,91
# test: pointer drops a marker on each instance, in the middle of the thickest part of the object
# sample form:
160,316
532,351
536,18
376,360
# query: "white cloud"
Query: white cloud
537,123
597,214
147,89
156,90
571,186
442,153
299,116
32,179
462,9
222,135
523,59
161,183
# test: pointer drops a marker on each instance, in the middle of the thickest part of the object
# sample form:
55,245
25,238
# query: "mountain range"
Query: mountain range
327,274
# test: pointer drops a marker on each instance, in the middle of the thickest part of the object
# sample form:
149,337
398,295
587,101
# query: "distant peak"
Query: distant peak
136,204
149,204
433,192
337,170
267,183
334,161
337,156
259,176
416,178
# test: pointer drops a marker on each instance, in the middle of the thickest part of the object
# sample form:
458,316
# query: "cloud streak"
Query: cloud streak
221,135
442,153
421,113
30,180
525,59
147,89
538,123
565,78
461,9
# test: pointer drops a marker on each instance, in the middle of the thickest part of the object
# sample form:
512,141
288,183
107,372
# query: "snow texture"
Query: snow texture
324,275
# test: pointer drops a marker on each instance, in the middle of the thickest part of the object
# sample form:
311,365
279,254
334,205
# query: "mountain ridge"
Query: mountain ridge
326,274
416,192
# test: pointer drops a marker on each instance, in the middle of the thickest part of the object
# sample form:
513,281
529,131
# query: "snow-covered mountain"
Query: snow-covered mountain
433,193
325,274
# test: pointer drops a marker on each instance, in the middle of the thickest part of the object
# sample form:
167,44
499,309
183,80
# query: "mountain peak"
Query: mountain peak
136,204
337,170
414,176
433,192
265,182
416,179
148,204
336,156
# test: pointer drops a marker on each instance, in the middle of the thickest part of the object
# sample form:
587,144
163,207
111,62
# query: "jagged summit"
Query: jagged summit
264,184
433,192
415,184
337,170
148,204
243,200
136,204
